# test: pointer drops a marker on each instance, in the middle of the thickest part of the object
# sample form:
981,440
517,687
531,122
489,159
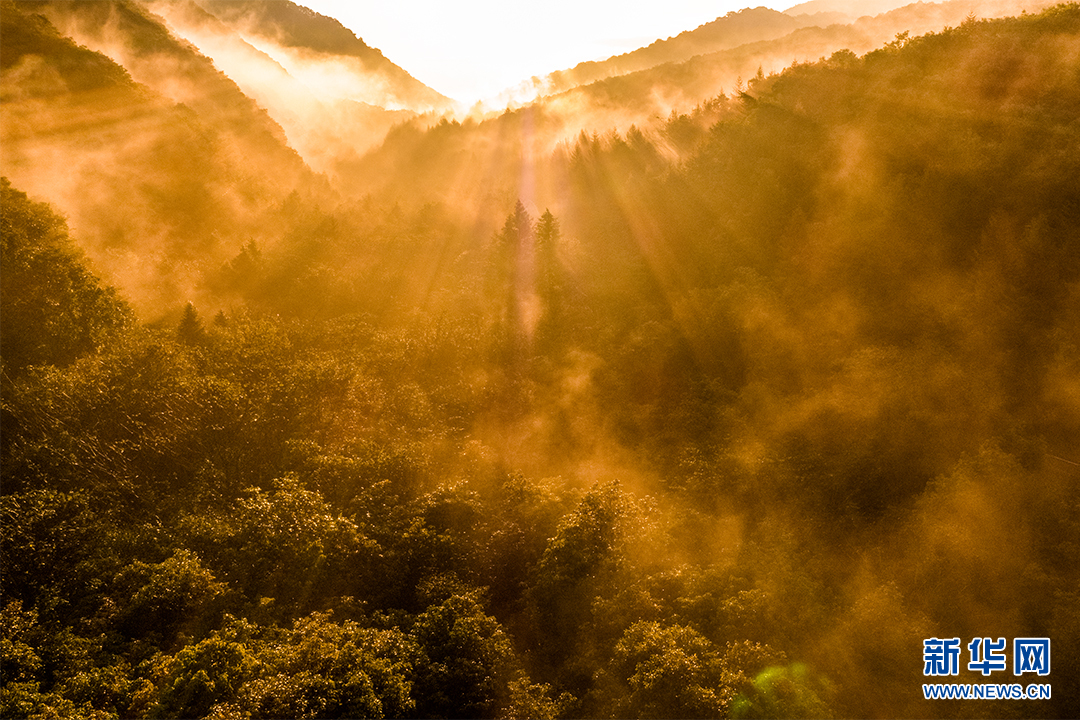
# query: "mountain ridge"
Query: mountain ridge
192,161
305,36
325,131
708,74
733,29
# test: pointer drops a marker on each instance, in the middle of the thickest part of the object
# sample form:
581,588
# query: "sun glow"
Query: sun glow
475,50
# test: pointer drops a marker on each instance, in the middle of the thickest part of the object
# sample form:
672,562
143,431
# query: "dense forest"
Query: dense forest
720,415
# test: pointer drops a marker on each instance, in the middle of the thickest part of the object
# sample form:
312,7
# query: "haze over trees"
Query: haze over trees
579,409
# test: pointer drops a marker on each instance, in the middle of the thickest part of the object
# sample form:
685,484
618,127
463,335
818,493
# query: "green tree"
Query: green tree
52,308
511,279
20,661
669,672
467,662
50,538
549,283
203,675
288,544
792,691
325,669
582,561
191,330
156,602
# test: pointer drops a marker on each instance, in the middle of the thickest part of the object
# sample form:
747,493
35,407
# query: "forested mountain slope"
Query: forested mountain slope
160,173
655,89
137,41
734,29
306,41
854,9
436,163
720,417
326,130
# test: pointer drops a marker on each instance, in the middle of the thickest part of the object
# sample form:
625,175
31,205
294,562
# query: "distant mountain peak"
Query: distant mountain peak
853,9
304,34
291,24
733,29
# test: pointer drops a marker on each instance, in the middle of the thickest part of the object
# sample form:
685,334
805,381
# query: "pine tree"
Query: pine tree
190,330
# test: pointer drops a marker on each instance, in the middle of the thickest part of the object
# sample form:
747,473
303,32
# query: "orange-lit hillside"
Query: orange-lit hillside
690,392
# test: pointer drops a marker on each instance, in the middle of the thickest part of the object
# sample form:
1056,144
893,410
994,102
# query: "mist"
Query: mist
712,387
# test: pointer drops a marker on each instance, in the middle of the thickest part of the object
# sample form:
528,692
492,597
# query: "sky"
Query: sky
472,50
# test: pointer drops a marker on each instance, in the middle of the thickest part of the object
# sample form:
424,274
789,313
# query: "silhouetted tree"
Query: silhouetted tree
190,330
